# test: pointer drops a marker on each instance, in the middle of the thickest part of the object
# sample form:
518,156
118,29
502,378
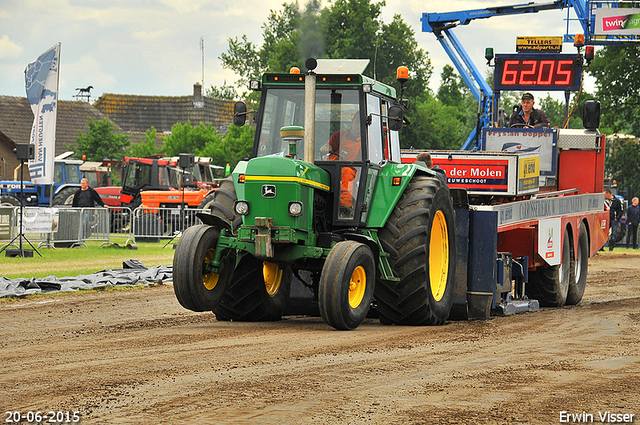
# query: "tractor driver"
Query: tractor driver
344,145
527,116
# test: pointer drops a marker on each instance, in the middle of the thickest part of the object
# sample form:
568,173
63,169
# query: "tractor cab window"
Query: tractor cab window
391,138
375,129
337,118
72,173
139,175
282,107
58,173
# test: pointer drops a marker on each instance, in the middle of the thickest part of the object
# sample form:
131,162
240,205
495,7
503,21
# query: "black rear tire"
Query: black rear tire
65,196
550,285
10,201
195,287
581,269
249,298
346,285
420,239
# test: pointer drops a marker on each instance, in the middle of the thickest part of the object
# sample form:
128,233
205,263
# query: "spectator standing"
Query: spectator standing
633,219
87,197
615,215
426,158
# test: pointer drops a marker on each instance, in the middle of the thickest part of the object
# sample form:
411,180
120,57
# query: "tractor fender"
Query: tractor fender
64,186
214,220
367,240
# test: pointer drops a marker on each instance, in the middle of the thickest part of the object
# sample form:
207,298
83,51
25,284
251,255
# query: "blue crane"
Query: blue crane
442,24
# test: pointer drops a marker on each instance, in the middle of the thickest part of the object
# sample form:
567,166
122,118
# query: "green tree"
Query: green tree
434,126
100,142
225,91
617,73
351,29
449,92
346,29
622,163
236,146
185,138
398,46
277,53
146,147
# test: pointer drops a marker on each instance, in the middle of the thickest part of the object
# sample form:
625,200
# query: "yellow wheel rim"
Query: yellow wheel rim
439,256
210,280
357,286
272,277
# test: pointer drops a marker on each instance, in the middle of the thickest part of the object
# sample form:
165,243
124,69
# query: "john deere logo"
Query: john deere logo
268,191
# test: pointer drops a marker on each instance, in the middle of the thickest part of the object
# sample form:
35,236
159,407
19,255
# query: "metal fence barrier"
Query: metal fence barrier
120,222
72,227
153,224
76,226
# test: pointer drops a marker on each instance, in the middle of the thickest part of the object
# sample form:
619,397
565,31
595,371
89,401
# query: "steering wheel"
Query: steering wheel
326,156
518,125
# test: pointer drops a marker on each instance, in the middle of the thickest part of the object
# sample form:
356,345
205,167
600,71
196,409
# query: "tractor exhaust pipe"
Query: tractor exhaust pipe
310,110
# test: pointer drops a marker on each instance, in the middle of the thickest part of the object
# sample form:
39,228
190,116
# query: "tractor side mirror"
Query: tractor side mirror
239,114
591,114
396,118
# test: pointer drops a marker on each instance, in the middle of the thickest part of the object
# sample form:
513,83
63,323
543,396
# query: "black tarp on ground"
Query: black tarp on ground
132,273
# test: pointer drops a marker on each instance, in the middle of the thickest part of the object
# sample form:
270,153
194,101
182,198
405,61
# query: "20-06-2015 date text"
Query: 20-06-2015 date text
38,417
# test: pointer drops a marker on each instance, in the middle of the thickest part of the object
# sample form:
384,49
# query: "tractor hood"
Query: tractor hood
280,169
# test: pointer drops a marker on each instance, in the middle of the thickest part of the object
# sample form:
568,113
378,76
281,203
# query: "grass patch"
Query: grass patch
93,258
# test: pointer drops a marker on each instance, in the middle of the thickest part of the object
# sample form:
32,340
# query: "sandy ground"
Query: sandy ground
137,357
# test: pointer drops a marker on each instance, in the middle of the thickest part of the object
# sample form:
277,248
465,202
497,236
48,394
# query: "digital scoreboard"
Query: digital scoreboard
537,71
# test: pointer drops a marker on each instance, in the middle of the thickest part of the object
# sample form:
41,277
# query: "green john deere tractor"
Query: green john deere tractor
324,203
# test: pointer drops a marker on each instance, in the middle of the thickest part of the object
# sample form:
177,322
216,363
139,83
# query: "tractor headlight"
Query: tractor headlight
242,207
295,208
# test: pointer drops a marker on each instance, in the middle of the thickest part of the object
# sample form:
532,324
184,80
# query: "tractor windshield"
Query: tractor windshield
335,110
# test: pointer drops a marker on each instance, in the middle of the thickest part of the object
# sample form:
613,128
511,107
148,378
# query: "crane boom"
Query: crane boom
442,25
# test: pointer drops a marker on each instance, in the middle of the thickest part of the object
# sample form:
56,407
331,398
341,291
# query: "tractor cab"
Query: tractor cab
350,138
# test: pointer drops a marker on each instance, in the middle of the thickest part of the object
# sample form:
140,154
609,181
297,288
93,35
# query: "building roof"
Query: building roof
139,113
16,119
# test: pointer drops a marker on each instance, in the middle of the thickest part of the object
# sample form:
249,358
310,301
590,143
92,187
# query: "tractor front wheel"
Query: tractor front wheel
195,285
257,292
419,237
347,284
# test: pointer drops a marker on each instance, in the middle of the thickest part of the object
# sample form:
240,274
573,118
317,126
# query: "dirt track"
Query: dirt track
136,356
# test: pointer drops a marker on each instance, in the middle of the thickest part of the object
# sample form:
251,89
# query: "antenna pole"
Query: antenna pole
202,51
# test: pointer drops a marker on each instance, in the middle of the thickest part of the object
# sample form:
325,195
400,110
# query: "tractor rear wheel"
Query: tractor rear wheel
420,239
550,285
196,287
221,202
9,201
346,285
65,196
257,292
577,285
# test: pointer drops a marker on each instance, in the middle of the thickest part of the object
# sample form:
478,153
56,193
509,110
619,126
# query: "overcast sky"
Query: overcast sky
152,47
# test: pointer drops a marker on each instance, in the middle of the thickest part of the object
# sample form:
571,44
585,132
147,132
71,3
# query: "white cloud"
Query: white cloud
83,72
9,49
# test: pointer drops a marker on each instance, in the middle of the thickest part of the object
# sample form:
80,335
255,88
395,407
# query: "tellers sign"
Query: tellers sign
528,72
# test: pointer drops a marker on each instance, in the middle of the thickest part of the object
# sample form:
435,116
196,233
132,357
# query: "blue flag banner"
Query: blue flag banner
41,79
